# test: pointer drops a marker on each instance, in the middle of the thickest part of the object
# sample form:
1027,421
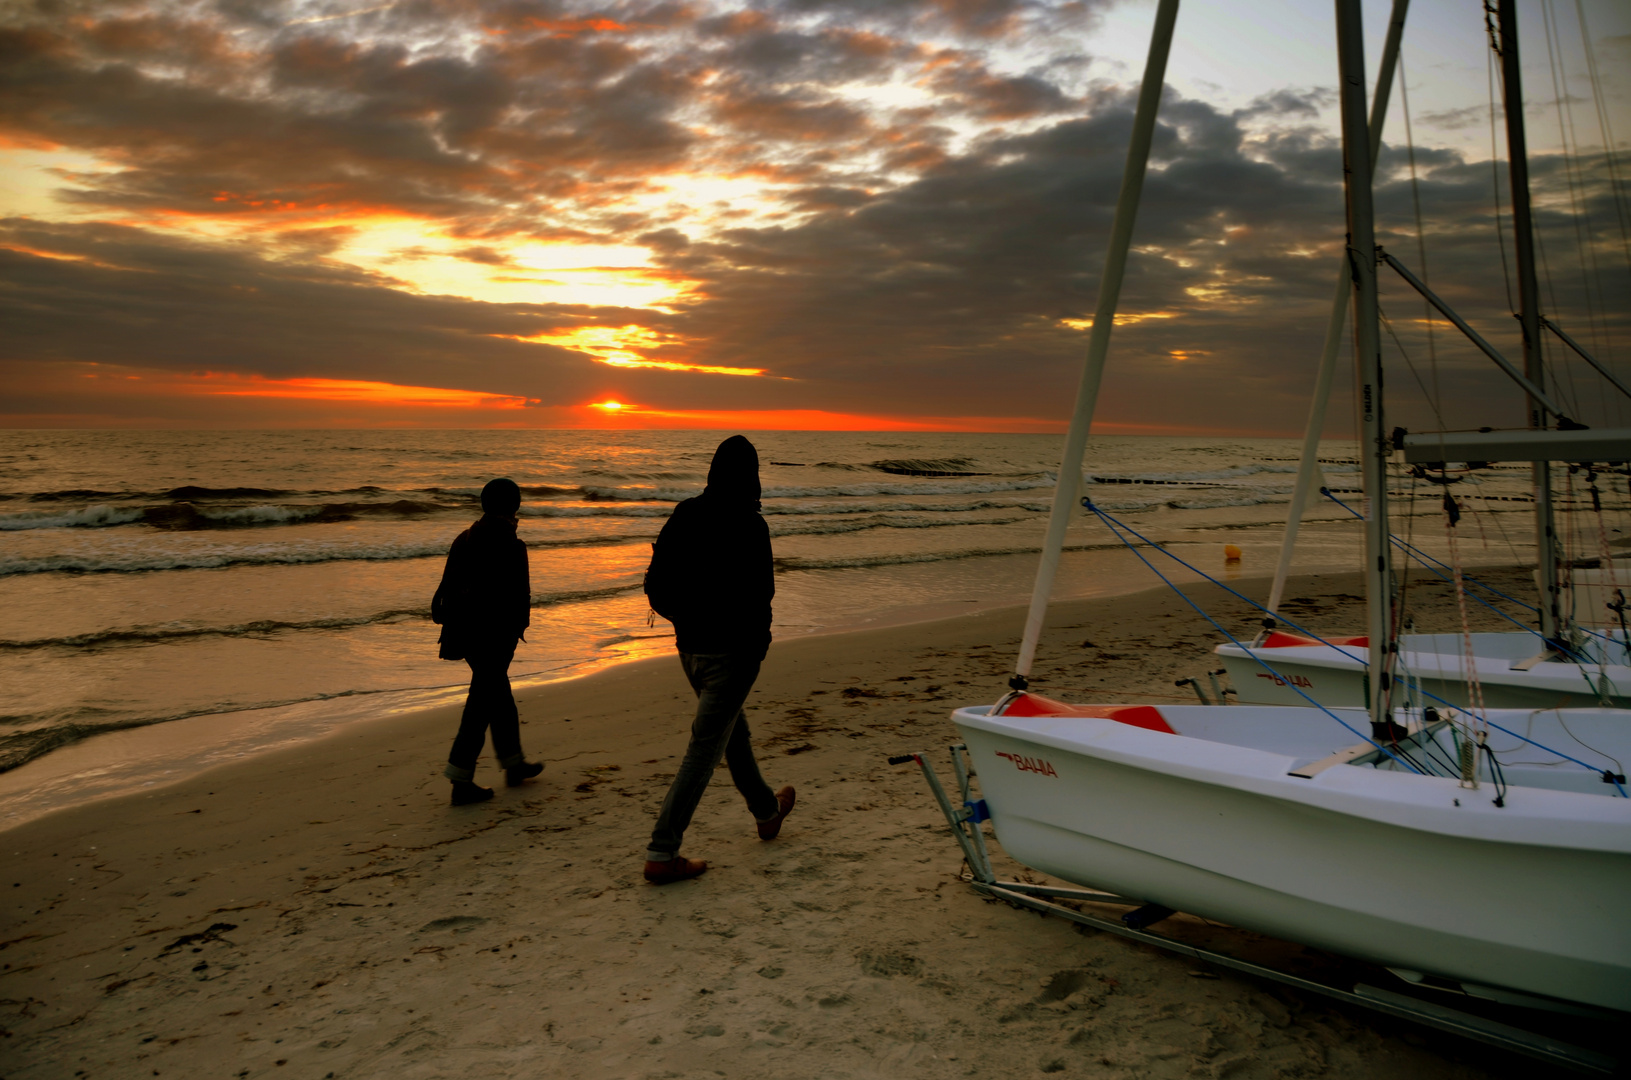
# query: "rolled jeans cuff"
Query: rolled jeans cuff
457,774
510,761
660,856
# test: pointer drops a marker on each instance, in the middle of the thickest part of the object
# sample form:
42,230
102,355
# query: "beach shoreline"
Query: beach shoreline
320,910
133,760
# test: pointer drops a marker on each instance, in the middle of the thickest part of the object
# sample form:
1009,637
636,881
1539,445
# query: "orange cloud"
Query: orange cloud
350,390
63,256
565,28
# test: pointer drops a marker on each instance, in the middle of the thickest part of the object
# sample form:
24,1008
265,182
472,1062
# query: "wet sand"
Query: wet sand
321,911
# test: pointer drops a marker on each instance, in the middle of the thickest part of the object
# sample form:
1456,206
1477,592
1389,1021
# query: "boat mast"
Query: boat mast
1098,343
1309,466
1373,444
1517,152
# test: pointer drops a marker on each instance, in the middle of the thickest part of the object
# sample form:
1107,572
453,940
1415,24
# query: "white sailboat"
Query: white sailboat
1577,655
1262,818
1425,849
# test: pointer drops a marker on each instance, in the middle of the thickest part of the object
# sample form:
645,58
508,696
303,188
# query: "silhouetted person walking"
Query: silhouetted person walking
484,604
711,576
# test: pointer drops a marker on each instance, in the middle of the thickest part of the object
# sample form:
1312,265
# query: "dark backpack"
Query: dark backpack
662,588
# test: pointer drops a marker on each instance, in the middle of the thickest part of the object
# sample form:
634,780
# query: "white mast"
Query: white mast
1373,445
1517,152
1309,467
1098,344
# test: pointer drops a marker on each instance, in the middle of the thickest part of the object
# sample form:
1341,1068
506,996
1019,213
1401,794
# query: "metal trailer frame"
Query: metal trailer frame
964,820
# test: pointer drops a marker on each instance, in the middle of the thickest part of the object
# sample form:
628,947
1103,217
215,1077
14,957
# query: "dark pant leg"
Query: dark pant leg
721,683
488,704
745,773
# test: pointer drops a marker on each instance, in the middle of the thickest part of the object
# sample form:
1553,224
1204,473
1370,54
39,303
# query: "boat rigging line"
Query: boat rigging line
1605,132
1308,467
1557,644
1421,245
1088,503
1117,527
1477,339
1586,356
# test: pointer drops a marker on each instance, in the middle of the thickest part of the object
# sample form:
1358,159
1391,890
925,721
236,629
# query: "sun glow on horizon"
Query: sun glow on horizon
641,417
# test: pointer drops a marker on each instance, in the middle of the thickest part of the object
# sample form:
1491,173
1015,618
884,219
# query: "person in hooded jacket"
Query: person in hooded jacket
711,576
484,604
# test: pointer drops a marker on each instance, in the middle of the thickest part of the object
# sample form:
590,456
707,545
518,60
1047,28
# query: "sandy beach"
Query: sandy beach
321,911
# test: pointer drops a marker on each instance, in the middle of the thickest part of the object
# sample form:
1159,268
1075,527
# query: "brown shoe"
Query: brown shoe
678,868
784,802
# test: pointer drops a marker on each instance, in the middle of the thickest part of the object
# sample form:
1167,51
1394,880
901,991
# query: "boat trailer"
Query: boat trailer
964,818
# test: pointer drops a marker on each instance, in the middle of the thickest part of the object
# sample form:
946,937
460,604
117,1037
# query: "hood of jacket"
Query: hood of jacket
734,474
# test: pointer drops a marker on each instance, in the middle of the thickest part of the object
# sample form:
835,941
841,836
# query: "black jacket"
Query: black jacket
711,571
485,599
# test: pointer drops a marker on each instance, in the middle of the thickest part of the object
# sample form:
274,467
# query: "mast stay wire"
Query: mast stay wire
1616,186
1584,234
1432,398
1429,562
1494,148
1606,132
1116,528
1435,396
1421,239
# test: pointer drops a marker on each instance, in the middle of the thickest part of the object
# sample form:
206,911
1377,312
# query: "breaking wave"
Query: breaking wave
186,516
1234,472
860,562
849,525
89,518
128,562
147,635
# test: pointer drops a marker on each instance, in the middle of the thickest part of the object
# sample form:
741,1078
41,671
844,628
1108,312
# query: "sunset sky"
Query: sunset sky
848,214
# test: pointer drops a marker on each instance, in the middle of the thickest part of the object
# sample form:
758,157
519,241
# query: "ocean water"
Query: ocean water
283,579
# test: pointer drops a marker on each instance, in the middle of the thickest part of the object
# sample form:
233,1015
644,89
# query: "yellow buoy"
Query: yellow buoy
1231,553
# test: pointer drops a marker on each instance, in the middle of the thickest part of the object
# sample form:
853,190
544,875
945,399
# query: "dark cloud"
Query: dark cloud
120,295
323,124
918,259
486,256
961,279
759,48
1457,119
971,18
967,82
1295,104
792,116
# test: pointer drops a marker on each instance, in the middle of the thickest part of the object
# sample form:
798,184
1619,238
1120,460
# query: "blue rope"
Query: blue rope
1238,596
1548,749
1116,527
1216,625
1426,558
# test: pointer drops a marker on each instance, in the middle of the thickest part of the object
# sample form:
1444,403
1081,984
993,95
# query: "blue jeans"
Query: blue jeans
721,682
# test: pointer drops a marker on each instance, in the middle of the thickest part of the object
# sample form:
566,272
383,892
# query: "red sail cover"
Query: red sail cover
1279,639
1142,716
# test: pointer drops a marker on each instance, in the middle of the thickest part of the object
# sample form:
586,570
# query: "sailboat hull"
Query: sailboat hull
1378,865
1335,676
